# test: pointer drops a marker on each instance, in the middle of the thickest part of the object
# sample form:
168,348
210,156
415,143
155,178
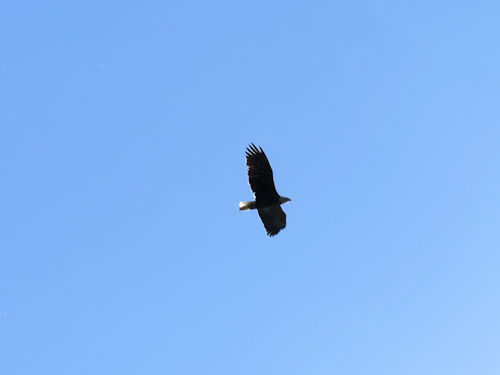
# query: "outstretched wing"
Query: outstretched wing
274,219
260,177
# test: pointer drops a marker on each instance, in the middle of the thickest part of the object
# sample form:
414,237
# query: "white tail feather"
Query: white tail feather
246,205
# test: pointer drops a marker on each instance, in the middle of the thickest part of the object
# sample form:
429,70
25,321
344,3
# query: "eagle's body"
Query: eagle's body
267,200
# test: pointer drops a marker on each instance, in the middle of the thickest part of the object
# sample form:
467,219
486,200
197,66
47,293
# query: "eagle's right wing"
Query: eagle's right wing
260,176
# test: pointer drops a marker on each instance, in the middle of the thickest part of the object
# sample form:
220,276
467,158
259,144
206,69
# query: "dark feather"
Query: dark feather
274,219
260,177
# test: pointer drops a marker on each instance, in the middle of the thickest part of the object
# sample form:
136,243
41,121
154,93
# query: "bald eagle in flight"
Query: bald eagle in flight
267,200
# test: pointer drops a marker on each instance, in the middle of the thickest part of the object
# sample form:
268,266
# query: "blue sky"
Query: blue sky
123,127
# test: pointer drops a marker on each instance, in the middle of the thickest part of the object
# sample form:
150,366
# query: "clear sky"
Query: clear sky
123,127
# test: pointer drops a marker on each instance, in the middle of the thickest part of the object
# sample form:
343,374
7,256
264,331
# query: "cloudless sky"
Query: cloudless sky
123,127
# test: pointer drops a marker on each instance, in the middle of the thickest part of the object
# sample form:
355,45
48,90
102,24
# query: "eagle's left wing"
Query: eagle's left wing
274,219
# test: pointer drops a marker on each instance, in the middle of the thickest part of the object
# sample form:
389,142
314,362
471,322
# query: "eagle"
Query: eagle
267,200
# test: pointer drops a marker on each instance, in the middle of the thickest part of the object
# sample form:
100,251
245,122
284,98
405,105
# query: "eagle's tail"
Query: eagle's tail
247,206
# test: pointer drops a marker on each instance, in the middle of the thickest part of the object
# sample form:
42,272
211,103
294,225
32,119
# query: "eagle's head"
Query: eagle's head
284,200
